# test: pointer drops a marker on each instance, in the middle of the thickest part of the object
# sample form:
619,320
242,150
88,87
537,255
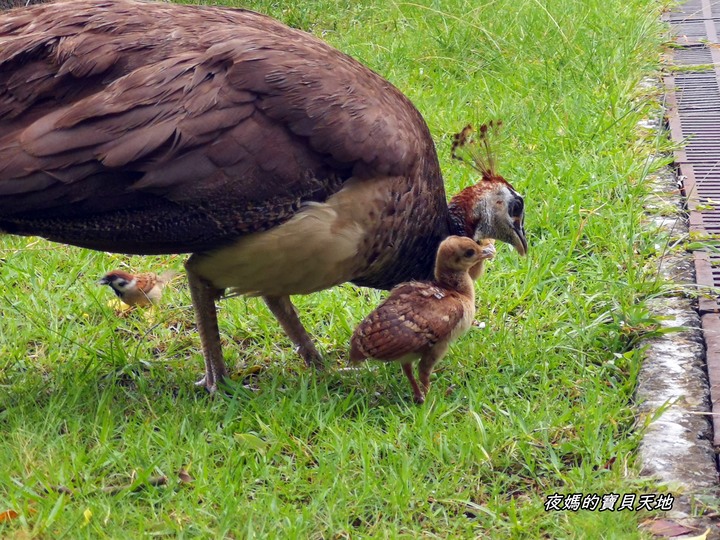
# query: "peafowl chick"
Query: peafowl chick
420,319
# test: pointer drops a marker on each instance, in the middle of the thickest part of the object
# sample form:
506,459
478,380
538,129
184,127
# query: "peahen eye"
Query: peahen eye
516,206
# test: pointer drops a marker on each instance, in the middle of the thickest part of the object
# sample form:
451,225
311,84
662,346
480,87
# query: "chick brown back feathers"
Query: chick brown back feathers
416,316
421,315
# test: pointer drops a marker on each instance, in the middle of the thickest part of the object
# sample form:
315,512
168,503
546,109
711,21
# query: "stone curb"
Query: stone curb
673,389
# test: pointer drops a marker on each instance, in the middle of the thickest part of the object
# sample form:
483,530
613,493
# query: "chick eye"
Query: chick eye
469,253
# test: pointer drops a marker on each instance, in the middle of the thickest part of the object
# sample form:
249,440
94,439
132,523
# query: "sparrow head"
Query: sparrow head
119,281
491,208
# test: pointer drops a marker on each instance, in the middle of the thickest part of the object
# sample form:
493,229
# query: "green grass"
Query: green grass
537,402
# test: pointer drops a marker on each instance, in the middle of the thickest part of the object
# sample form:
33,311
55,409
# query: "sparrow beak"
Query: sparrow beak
520,242
103,281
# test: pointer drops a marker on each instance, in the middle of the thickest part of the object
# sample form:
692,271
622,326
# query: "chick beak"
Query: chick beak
520,243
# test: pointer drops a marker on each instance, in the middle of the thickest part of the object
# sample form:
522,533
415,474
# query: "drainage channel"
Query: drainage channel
693,92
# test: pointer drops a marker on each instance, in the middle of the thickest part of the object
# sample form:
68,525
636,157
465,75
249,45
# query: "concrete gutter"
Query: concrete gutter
673,391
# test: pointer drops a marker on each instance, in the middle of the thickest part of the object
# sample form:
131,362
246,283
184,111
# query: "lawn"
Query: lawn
105,436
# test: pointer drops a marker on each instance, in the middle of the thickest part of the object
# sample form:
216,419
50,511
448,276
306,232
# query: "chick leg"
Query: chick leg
427,363
285,313
203,298
417,393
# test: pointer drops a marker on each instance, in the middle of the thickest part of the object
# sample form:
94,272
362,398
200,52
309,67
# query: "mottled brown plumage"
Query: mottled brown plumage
283,165
201,124
420,319
142,289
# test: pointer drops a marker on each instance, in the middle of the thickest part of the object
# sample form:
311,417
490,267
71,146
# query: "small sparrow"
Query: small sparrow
419,319
138,289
